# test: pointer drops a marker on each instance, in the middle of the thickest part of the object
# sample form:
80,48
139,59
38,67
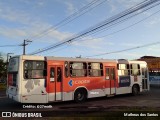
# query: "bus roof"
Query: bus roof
79,59
33,57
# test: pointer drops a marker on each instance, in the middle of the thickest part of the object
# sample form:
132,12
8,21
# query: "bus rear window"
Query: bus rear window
34,69
13,65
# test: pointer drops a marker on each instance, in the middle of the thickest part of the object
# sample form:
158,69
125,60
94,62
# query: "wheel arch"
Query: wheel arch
81,88
137,86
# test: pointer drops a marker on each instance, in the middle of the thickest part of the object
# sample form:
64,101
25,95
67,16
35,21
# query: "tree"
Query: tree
3,69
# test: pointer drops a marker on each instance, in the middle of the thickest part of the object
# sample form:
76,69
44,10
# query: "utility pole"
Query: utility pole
24,46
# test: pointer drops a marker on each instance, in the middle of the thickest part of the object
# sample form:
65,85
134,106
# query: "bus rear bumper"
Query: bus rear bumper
13,97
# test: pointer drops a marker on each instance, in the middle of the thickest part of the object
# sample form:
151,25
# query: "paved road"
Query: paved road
144,101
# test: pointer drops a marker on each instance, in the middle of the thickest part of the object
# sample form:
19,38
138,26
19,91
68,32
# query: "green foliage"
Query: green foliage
2,86
3,69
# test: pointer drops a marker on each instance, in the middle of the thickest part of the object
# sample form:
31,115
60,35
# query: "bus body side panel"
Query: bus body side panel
110,83
142,80
54,87
134,79
95,86
32,90
124,81
128,89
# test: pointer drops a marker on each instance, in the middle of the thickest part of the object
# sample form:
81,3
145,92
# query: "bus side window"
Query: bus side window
107,74
34,69
78,69
89,69
52,74
59,75
123,69
135,70
95,69
26,74
112,74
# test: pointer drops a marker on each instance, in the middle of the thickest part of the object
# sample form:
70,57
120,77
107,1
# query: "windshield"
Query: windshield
13,64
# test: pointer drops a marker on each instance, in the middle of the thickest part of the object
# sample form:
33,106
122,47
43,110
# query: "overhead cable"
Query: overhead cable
124,50
70,18
147,4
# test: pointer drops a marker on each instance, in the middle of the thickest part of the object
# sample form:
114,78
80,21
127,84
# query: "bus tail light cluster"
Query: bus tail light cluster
10,79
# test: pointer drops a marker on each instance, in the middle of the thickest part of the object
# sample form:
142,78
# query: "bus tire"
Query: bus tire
80,95
135,90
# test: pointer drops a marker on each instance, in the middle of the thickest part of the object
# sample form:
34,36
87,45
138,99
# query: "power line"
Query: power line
117,30
114,31
125,27
9,45
124,50
112,24
70,18
103,24
83,34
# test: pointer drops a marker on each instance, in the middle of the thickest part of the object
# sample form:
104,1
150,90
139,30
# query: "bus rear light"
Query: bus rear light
10,79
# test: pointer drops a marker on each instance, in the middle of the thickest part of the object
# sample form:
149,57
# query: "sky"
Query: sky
28,19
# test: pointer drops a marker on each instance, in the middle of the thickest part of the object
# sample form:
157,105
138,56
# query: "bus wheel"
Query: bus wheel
135,90
80,95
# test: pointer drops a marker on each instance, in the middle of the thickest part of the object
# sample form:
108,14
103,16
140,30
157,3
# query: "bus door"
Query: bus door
110,80
144,78
55,83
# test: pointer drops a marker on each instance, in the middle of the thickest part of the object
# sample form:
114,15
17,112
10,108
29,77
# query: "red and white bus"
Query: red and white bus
38,79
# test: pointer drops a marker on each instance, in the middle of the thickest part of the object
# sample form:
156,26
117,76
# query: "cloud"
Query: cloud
154,49
28,26
129,44
12,32
11,15
130,55
129,3
70,7
40,3
90,46
59,35
112,6
154,21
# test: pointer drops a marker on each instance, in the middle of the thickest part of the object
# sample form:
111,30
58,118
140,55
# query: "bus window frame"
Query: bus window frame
138,68
16,63
101,70
127,68
66,69
44,70
85,70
